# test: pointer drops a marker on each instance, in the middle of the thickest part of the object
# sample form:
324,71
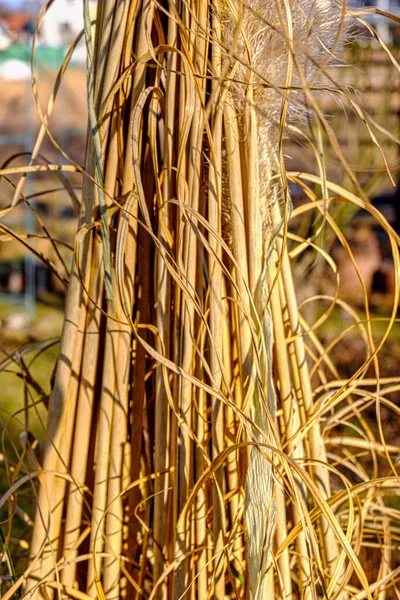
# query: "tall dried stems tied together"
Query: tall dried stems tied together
178,463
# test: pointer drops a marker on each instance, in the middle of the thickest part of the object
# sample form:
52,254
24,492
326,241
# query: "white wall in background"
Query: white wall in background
63,22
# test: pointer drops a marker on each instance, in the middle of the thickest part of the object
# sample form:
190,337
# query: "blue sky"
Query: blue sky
20,4
13,3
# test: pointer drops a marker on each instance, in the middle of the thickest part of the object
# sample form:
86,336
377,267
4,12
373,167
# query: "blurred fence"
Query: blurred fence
19,126
370,76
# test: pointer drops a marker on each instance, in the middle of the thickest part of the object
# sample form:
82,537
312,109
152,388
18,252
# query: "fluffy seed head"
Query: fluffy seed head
259,36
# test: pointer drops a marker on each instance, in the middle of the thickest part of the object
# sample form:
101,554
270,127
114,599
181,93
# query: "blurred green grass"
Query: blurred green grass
36,349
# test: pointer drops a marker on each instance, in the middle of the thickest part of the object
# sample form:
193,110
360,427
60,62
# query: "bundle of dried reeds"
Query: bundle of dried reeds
179,463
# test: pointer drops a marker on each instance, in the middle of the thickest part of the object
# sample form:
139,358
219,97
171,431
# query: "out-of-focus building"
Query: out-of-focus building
63,22
61,25
15,26
385,28
6,37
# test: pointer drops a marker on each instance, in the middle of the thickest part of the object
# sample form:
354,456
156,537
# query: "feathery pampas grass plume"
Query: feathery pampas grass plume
275,49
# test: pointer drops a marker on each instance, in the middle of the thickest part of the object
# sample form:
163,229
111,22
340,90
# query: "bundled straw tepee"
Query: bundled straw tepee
184,455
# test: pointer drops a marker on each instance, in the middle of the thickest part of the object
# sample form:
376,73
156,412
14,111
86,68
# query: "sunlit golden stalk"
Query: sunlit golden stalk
101,461
231,429
237,394
138,392
106,63
163,320
174,499
298,447
201,503
137,591
112,50
253,196
239,243
281,535
62,410
239,239
118,439
199,534
83,428
199,44
290,426
83,420
316,446
189,259
269,586
216,323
